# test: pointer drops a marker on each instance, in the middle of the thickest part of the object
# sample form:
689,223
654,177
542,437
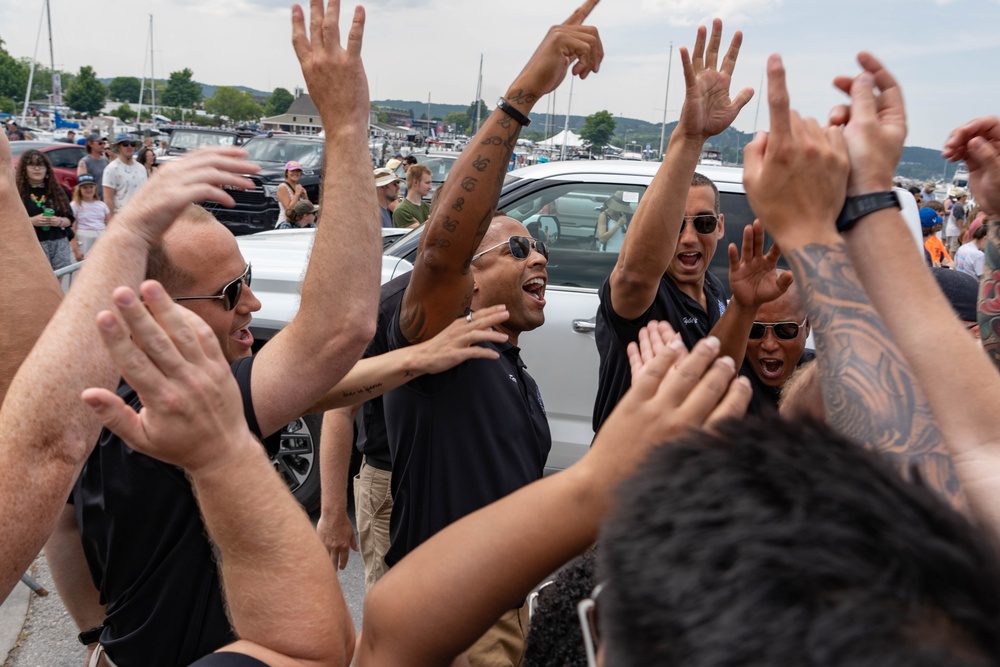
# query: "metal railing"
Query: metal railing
66,274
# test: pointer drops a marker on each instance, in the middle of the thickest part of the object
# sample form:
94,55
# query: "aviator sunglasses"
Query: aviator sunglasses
520,247
783,330
230,293
704,223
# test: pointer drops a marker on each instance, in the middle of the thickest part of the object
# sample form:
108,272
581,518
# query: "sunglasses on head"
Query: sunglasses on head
783,330
520,247
230,292
704,223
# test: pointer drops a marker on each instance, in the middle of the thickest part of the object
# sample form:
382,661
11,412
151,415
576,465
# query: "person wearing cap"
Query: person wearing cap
91,214
928,192
387,186
123,177
301,214
94,162
962,292
937,254
612,222
290,191
971,256
953,229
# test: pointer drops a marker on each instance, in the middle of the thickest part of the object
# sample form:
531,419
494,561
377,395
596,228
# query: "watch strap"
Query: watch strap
512,111
859,206
88,637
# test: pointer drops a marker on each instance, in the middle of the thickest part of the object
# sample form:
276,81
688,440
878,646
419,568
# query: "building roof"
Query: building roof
303,106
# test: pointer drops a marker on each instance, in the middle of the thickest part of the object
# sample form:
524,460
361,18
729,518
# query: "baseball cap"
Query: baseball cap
929,217
384,176
84,179
292,165
121,138
94,137
961,290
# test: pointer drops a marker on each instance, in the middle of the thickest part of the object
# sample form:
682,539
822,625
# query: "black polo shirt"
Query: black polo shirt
229,659
460,440
373,441
148,553
614,333
765,397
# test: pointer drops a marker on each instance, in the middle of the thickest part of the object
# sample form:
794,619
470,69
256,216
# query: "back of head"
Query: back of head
778,543
554,637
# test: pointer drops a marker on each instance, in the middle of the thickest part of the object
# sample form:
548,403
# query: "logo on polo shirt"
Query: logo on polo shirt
722,307
691,320
538,395
512,378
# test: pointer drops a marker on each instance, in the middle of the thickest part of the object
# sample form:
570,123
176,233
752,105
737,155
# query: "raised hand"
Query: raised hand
708,110
565,44
335,75
874,126
796,176
653,338
192,413
978,143
753,275
200,176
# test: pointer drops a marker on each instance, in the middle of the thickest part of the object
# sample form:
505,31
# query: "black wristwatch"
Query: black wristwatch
514,113
859,206
88,637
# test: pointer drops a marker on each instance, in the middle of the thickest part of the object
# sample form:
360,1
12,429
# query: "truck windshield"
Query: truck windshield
307,153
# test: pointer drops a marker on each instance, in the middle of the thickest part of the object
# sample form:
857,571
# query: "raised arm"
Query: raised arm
652,235
796,179
435,603
336,318
42,455
280,588
441,288
964,398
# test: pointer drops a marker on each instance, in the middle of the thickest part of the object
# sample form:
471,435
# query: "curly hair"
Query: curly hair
54,194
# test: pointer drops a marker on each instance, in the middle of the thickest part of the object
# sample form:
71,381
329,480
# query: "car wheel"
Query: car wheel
297,460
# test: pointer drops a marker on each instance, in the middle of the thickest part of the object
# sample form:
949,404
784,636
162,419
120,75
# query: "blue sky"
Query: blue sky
940,50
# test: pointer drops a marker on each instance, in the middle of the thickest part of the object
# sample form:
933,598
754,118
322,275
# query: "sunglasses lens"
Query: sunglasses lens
757,331
233,290
786,330
705,224
520,247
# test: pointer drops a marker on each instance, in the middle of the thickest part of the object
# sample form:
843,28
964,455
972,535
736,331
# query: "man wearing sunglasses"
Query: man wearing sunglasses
662,269
123,176
775,348
461,439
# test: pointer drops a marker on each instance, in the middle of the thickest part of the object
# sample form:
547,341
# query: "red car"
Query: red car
64,158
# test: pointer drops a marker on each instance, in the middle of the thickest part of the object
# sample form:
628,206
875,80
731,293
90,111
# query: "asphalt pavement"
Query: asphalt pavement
38,632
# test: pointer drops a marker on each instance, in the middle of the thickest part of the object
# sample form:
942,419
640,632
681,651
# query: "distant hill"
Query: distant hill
206,89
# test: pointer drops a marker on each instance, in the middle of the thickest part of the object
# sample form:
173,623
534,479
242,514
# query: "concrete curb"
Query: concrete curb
12,613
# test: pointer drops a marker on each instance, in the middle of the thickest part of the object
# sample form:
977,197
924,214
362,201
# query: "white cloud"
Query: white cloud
690,12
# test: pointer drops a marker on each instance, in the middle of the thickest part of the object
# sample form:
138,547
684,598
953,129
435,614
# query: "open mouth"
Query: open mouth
535,288
242,336
689,260
771,368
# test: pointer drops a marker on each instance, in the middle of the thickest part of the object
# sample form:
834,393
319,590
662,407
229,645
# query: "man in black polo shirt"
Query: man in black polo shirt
464,438
662,269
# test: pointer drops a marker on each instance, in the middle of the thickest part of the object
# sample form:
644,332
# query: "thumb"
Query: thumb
863,105
116,416
354,542
981,154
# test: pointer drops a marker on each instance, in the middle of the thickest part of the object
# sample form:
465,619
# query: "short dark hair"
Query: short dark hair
769,542
554,636
410,159
699,180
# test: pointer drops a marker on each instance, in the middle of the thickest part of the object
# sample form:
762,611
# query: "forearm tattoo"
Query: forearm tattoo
989,295
869,391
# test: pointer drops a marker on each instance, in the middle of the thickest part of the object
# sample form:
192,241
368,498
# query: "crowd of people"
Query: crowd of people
851,517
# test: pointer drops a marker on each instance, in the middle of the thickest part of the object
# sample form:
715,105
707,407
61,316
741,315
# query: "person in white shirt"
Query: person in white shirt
90,212
970,256
123,176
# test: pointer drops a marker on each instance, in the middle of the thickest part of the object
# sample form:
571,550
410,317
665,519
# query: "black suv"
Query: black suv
256,210
184,139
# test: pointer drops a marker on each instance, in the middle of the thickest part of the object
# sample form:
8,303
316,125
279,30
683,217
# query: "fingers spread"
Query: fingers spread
729,62
714,43
300,41
777,98
698,55
356,36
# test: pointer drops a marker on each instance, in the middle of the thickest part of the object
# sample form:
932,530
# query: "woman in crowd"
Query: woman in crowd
301,214
48,208
612,223
91,213
147,158
290,191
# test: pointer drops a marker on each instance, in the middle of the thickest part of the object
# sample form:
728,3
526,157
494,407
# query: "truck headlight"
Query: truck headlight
271,191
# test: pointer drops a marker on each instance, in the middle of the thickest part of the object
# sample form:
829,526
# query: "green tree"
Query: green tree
181,91
13,75
7,105
598,128
124,112
236,104
278,102
86,94
484,111
459,119
124,89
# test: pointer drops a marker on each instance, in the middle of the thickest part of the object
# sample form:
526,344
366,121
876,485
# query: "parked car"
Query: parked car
440,164
256,210
559,201
184,139
64,158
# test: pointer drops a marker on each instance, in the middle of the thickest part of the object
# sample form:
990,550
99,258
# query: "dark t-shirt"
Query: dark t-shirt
614,333
460,440
372,439
148,553
765,397
228,659
37,201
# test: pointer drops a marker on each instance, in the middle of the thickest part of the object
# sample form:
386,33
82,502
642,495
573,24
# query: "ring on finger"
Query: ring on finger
468,318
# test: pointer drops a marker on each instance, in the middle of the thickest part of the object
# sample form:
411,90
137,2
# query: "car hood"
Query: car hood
279,258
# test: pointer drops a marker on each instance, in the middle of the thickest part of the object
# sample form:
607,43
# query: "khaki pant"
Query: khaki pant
503,644
100,659
372,508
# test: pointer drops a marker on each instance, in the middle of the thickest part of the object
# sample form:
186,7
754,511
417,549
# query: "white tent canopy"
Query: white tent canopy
566,137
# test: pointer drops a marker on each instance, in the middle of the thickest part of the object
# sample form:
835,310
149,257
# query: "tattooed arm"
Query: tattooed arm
441,287
796,179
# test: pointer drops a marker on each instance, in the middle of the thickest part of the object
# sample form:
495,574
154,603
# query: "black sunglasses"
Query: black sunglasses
520,247
230,292
783,330
133,144
704,223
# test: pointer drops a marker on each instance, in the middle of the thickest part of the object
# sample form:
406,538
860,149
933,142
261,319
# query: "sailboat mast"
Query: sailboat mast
152,76
31,72
56,83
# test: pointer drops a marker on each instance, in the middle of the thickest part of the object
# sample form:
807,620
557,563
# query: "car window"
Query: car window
66,158
568,216
439,165
308,153
193,140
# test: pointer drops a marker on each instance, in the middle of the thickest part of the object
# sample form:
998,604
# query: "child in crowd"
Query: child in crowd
91,213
